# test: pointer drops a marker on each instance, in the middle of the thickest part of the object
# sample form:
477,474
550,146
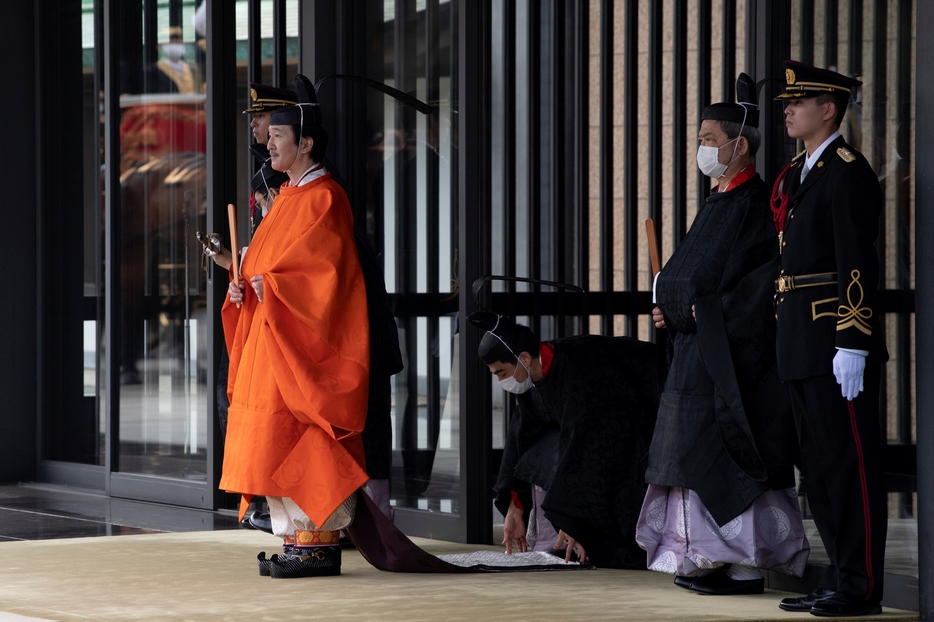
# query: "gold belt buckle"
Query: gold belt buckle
783,284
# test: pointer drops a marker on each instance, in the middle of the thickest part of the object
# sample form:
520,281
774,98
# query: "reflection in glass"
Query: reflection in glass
90,358
71,428
426,440
162,403
411,223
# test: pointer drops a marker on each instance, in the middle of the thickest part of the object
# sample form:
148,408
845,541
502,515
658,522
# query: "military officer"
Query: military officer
264,100
830,345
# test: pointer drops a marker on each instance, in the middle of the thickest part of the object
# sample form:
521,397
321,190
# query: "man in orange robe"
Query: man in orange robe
299,357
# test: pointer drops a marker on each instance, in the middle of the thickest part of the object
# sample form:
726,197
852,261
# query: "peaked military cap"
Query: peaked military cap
805,81
746,108
265,98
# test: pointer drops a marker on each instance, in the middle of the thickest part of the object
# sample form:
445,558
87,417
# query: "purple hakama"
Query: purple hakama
681,537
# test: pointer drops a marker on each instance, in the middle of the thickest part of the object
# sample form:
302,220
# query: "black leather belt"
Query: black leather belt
790,283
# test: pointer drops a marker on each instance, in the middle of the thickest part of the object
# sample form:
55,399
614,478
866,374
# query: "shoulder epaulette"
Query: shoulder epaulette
846,154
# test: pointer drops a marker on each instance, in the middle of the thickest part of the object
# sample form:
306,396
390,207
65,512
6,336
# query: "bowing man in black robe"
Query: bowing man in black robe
721,502
585,409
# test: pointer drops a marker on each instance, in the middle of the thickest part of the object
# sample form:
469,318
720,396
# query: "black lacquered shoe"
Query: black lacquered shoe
804,603
720,584
684,582
318,561
260,521
841,606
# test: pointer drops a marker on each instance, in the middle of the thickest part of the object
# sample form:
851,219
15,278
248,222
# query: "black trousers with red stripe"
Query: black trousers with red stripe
841,461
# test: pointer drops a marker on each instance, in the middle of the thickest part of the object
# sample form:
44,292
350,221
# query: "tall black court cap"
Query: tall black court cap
746,108
266,98
806,81
502,339
306,112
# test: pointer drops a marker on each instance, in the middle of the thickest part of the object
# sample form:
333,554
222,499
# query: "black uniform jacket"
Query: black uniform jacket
831,226
725,428
582,433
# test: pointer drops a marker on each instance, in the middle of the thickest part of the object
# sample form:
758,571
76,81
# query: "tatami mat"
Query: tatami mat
202,576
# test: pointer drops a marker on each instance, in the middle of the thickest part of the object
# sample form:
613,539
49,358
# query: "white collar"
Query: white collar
812,159
312,173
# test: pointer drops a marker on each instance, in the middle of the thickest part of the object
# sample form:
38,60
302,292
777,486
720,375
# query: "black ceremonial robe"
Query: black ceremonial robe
385,362
724,427
582,433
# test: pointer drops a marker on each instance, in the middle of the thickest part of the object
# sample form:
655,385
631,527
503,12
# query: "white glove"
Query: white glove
848,370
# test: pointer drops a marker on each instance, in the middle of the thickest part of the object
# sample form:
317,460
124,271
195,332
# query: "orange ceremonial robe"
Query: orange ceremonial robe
299,361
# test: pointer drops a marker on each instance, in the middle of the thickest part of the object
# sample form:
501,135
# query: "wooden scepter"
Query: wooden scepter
234,251
654,254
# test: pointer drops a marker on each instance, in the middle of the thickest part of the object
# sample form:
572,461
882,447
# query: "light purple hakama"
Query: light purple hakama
541,534
681,537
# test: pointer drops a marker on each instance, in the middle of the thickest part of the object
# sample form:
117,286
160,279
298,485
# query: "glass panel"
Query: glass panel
266,37
162,401
72,428
426,463
90,358
412,224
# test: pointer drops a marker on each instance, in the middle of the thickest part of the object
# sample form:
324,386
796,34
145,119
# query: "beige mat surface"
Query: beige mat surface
213,576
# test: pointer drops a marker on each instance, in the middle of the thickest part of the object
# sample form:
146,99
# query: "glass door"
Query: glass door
411,222
71,230
160,312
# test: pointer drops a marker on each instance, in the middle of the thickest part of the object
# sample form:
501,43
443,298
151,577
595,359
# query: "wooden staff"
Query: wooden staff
654,253
234,251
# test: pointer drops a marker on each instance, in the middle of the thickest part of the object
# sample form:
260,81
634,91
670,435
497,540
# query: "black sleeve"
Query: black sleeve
507,482
856,204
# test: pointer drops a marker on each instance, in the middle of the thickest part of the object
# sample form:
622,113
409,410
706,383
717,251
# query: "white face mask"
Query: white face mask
708,160
174,51
514,386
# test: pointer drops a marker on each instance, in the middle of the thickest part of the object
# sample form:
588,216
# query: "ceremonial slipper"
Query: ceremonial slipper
805,603
265,564
684,582
318,561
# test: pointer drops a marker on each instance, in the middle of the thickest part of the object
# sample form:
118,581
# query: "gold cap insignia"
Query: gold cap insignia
790,76
253,94
846,155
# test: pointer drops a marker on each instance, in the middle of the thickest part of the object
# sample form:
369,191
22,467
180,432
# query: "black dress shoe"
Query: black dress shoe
804,603
720,584
684,582
841,605
260,521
